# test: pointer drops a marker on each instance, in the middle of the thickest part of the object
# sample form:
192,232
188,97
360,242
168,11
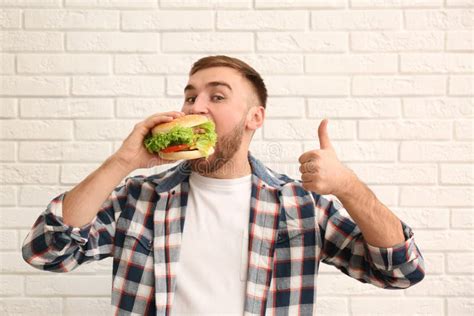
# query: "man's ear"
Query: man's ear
255,117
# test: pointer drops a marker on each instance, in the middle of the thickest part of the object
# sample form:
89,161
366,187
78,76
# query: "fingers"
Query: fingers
309,166
157,118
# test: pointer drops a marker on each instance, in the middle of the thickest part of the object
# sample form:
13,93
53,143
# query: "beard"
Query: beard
225,149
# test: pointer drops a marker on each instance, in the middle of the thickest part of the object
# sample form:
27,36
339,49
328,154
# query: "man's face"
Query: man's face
223,95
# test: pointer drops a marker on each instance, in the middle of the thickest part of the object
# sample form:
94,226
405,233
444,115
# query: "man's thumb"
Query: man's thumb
324,142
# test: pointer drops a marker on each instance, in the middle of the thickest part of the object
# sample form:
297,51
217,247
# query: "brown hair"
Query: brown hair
244,69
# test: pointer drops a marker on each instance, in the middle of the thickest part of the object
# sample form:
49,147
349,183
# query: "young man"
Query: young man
226,234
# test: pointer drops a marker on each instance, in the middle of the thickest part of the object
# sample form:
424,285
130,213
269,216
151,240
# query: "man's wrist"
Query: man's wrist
117,166
351,184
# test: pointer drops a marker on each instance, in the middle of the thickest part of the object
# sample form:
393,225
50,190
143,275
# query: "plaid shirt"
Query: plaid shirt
291,231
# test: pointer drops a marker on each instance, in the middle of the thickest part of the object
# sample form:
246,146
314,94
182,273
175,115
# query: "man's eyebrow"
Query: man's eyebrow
209,84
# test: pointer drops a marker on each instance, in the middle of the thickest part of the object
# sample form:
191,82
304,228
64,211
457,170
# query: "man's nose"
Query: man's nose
199,106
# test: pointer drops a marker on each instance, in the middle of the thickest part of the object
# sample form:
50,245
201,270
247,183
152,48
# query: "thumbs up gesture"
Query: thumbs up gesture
321,170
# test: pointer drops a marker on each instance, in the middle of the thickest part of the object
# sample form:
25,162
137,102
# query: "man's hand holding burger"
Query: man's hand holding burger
133,154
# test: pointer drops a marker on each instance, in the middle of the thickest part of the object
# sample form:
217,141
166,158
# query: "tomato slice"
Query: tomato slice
174,148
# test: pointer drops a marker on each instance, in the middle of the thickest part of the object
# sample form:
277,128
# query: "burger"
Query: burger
187,137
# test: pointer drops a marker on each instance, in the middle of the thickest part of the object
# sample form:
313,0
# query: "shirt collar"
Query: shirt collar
172,177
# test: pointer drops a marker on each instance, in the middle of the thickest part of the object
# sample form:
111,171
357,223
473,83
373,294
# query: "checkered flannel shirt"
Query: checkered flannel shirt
291,231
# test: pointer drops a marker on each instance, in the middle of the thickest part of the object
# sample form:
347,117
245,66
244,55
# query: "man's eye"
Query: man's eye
217,98
190,99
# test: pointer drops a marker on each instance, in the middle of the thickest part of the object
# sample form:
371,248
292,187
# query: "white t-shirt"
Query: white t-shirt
212,269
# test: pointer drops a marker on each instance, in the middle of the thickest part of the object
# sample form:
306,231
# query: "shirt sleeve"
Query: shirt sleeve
54,246
344,247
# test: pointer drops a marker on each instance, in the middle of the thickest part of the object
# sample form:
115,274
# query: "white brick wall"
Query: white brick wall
396,79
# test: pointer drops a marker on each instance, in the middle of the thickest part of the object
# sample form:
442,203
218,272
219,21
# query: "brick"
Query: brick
343,64
30,3
31,306
12,262
359,151
63,64
14,129
11,285
13,41
459,41
439,19
434,262
442,285
291,4
71,19
54,285
461,85
445,240
424,217
33,86
400,174
437,196
142,108
8,241
463,129
395,4
262,20
112,42
387,194
285,108
7,64
405,130
10,19
400,85
64,151
308,85
276,151
460,263
207,42
442,107
310,42
208,4
437,63
274,63
356,20
295,129
126,4
401,41
8,108
66,108
87,306
29,173
328,306
460,305
435,151
459,3
20,217
354,107
462,218
29,129
118,86
175,85
339,285
38,195
75,173
154,64
8,195
8,150
405,306
457,173
103,129
168,20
